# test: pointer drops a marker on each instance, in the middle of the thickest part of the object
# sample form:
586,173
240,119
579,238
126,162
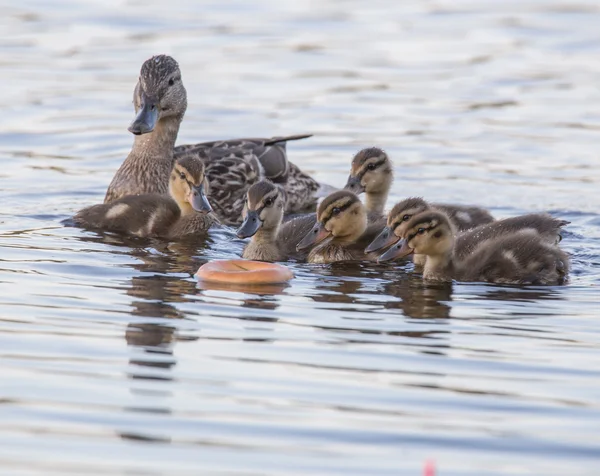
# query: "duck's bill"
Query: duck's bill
353,185
250,226
399,250
198,199
146,119
384,240
313,237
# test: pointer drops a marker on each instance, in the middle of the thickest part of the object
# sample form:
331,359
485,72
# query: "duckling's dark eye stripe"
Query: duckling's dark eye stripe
422,225
365,169
341,208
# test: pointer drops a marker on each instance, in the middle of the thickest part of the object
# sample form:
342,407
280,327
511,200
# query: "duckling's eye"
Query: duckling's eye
335,211
420,231
171,82
371,167
406,218
268,202
182,175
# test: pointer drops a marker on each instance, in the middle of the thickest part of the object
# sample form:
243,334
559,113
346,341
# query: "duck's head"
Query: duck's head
159,93
397,221
264,208
429,233
371,172
341,217
188,185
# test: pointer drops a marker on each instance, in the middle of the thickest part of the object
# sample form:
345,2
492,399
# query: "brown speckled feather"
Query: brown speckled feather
233,166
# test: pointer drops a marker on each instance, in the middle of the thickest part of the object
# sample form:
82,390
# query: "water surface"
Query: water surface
115,361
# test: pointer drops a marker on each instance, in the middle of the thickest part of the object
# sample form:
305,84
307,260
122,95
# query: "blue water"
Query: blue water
114,360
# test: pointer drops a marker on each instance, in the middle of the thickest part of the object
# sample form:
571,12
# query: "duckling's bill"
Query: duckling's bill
385,239
399,250
198,200
250,226
353,185
314,236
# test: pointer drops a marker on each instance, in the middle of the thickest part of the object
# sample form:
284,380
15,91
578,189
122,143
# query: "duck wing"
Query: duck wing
269,157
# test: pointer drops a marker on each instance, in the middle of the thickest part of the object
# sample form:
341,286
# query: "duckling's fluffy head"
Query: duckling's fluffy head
188,184
159,93
371,172
343,215
263,209
430,233
400,215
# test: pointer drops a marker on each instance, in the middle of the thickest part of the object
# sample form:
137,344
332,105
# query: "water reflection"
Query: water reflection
419,299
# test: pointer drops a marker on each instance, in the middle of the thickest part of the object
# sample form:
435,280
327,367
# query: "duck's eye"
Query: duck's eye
171,82
335,211
268,202
182,175
406,218
371,167
420,231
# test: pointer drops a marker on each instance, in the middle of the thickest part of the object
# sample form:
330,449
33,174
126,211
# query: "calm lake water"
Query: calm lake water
115,361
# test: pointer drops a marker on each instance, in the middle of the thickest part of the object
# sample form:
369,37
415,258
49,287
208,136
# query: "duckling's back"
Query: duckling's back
140,215
546,226
519,258
464,217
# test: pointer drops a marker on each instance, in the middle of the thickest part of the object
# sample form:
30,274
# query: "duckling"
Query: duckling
522,257
463,218
341,230
263,214
547,226
186,212
371,173
232,166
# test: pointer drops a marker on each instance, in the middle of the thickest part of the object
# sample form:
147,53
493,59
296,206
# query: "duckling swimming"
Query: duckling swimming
522,257
341,232
160,101
185,213
547,226
263,214
371,173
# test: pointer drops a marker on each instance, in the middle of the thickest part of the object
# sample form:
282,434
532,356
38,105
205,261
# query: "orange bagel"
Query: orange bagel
241,271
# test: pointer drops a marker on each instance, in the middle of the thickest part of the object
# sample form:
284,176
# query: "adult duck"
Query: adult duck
160,102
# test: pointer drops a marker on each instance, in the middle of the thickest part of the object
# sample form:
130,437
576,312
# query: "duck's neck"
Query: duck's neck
375,202
439,267
158,144
186,208
266,235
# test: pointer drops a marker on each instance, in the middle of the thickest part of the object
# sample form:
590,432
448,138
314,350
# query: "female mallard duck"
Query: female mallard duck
160,101
341,232
547,226
186,212
522,257
263,213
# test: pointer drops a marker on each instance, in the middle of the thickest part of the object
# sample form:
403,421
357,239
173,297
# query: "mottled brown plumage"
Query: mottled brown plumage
156,215
235,165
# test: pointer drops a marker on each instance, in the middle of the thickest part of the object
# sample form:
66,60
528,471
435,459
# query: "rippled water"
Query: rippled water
115,361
